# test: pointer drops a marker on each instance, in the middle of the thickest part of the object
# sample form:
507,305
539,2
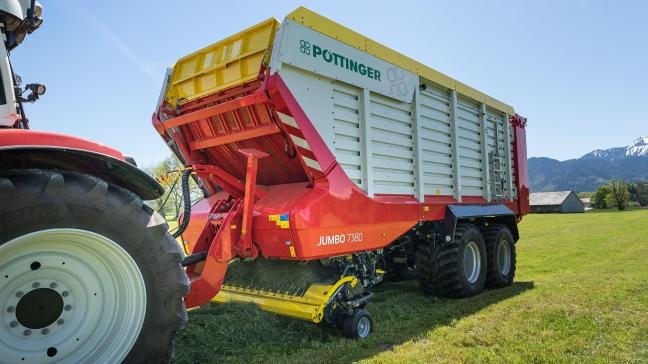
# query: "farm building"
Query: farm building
559,201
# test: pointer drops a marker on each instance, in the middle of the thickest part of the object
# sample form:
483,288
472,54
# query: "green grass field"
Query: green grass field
581,294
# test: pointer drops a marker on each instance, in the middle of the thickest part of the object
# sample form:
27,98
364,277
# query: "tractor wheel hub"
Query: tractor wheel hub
39,308
37,311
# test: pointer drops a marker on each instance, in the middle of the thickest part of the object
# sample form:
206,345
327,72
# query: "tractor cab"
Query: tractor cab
17,19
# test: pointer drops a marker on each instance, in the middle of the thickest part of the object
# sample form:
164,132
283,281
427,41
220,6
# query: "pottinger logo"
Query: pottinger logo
339,60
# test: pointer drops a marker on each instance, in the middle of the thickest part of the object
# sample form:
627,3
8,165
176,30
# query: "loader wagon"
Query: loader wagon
330,163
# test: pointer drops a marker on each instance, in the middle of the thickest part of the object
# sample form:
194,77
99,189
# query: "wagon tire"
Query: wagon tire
500,250
456,268
98,259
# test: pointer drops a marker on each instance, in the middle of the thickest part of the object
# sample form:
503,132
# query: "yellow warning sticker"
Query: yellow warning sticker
273,217
284,224
292,251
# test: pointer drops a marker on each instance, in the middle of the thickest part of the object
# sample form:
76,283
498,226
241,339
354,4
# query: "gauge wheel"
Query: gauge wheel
358,325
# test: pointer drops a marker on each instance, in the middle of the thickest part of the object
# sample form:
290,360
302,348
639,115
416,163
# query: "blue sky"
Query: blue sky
577,69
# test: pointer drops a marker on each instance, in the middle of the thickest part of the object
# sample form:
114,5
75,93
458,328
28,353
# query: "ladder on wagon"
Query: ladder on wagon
497,166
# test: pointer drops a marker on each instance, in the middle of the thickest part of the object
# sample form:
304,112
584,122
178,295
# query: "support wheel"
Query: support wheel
500,249
88,272
454,269
359,325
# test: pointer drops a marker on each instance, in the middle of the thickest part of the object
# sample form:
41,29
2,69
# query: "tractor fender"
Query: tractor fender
22,149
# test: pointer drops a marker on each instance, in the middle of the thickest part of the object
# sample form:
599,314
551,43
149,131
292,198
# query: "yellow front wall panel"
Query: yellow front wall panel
230,62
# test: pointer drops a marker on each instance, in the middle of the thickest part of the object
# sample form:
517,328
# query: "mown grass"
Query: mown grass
581,295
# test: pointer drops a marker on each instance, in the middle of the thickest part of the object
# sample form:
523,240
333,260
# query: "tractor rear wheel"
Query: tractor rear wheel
456,268
500,249
88,272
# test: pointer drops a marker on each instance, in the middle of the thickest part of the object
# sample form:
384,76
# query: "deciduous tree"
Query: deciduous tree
600,200
619,191
167,172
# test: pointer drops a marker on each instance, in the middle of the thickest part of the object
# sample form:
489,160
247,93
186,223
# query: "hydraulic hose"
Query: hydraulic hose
186,196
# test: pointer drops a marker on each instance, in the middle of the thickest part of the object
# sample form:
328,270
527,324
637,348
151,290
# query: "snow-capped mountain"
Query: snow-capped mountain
591,170
638,148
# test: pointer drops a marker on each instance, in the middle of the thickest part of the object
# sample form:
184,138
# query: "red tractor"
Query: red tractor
88,272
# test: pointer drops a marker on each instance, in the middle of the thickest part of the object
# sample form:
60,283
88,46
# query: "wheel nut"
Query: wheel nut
19,294
45,331
53,285
11,309
65,293
13,324
67,307
27,332
36,285
60,322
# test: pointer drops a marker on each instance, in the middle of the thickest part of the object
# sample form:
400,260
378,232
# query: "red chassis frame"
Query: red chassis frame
324,215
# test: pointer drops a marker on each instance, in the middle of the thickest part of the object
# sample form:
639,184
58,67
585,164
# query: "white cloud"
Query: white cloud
121,47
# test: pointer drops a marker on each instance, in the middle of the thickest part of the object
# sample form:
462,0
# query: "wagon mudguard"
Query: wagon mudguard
496,213
109,168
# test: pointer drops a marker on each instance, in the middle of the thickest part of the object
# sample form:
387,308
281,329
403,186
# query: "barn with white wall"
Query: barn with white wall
556,202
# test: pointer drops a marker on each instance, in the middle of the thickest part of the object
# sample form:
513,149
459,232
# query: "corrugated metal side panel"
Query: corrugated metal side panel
371,136
396,137
469,148
346,130
391,145
435,140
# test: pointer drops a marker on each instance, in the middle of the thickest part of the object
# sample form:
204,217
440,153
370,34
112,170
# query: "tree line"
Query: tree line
619,194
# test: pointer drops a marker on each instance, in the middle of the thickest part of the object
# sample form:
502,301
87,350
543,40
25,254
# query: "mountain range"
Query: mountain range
595,168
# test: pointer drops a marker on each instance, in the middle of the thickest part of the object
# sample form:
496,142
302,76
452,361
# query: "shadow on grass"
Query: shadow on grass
401,312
